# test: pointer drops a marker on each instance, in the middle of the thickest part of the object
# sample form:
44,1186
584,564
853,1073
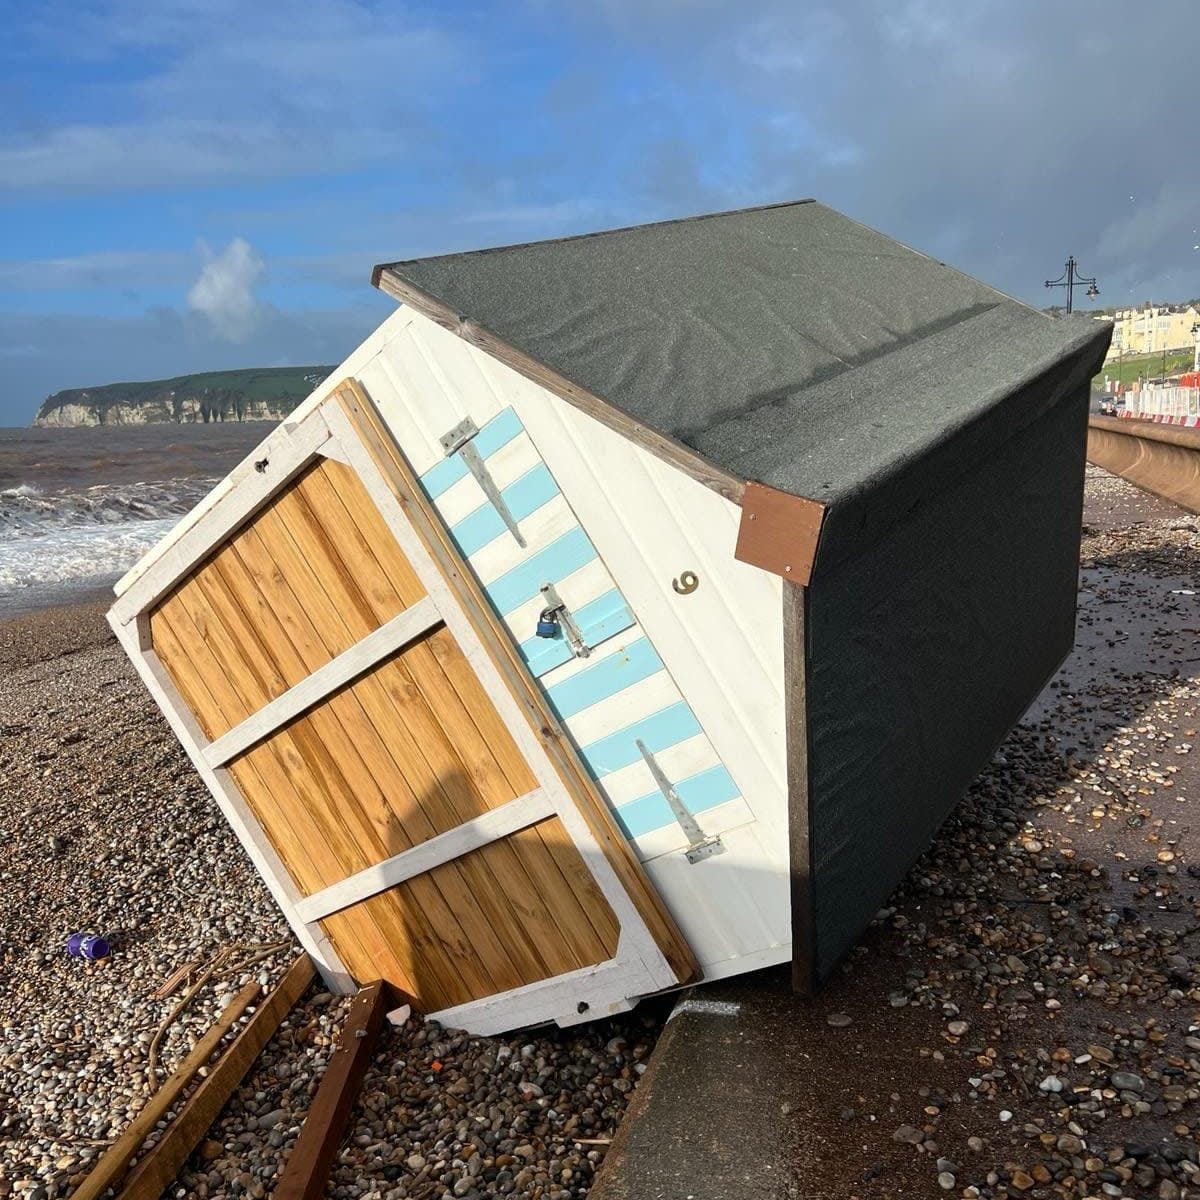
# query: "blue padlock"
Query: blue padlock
547,626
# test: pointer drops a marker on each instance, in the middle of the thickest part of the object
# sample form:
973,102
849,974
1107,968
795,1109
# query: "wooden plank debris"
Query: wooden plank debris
172,982
162,1162
113,1163
307,1169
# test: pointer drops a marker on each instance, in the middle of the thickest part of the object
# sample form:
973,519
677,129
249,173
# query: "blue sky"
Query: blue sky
196,184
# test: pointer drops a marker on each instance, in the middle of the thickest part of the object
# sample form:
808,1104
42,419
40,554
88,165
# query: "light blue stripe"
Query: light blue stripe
499,431
550,565
598,620
523,496
659,731
606,678
706,789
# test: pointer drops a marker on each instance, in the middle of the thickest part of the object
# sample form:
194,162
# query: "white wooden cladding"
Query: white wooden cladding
638,967
722,644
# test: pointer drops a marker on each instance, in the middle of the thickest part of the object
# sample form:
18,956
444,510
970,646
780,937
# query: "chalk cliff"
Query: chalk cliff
256,394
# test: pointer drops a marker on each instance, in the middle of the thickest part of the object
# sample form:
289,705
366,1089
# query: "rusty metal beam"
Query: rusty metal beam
1162,459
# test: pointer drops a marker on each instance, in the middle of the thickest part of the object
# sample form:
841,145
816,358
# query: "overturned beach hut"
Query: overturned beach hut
627,609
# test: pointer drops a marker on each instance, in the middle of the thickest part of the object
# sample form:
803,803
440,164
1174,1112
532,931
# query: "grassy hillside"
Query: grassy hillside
1145,366
257,393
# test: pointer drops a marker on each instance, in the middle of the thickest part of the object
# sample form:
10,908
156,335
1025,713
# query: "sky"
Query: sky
194,185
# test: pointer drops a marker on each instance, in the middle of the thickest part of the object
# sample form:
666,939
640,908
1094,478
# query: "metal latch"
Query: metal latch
458,441
556,615
699,846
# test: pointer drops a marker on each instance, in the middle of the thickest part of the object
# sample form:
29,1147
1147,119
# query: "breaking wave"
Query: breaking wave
89,534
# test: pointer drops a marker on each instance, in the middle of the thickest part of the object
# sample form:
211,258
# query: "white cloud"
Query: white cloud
231,92
224,292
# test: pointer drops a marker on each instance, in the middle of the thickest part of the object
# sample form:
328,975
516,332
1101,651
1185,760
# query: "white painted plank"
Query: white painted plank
670,839
680,761
771,956
457,374
641,699
454,843
577,589
539,529
606,649
385,640
383,376
750,895
505,466
700,904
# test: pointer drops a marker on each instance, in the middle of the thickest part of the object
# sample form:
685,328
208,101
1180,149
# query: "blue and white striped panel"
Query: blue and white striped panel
619,694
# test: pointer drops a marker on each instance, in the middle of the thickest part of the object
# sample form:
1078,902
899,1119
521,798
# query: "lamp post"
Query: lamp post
1071,279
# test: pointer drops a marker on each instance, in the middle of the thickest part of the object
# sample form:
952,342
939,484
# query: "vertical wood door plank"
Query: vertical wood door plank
440,910
539,911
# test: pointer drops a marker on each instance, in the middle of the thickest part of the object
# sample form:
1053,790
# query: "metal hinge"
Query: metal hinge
458,441
699,846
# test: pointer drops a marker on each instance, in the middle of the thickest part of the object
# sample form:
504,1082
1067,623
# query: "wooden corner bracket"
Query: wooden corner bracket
779,532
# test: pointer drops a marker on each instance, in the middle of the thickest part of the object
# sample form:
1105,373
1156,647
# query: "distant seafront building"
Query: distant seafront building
1152,329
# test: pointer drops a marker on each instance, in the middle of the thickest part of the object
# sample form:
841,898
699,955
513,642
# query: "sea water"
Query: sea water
78,507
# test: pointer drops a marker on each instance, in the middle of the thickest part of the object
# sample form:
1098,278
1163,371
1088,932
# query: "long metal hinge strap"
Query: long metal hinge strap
699,846
458,441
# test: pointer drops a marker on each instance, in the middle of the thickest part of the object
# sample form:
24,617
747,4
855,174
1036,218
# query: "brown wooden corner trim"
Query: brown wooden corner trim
668,449
306,1171
779,532
800,840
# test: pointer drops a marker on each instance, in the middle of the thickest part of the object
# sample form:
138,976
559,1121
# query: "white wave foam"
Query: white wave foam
27,511
78,554
96,533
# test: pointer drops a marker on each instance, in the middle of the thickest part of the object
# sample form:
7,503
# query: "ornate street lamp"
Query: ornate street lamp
1071,279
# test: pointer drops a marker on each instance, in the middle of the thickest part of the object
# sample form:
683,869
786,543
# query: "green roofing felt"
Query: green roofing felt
788,344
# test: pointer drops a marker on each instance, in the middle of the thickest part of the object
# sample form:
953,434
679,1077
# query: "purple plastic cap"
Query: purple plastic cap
87,945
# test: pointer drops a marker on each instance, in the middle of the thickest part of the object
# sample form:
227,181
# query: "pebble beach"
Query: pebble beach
1023,1020
105,826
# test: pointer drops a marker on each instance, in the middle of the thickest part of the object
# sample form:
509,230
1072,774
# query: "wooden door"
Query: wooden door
371,732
